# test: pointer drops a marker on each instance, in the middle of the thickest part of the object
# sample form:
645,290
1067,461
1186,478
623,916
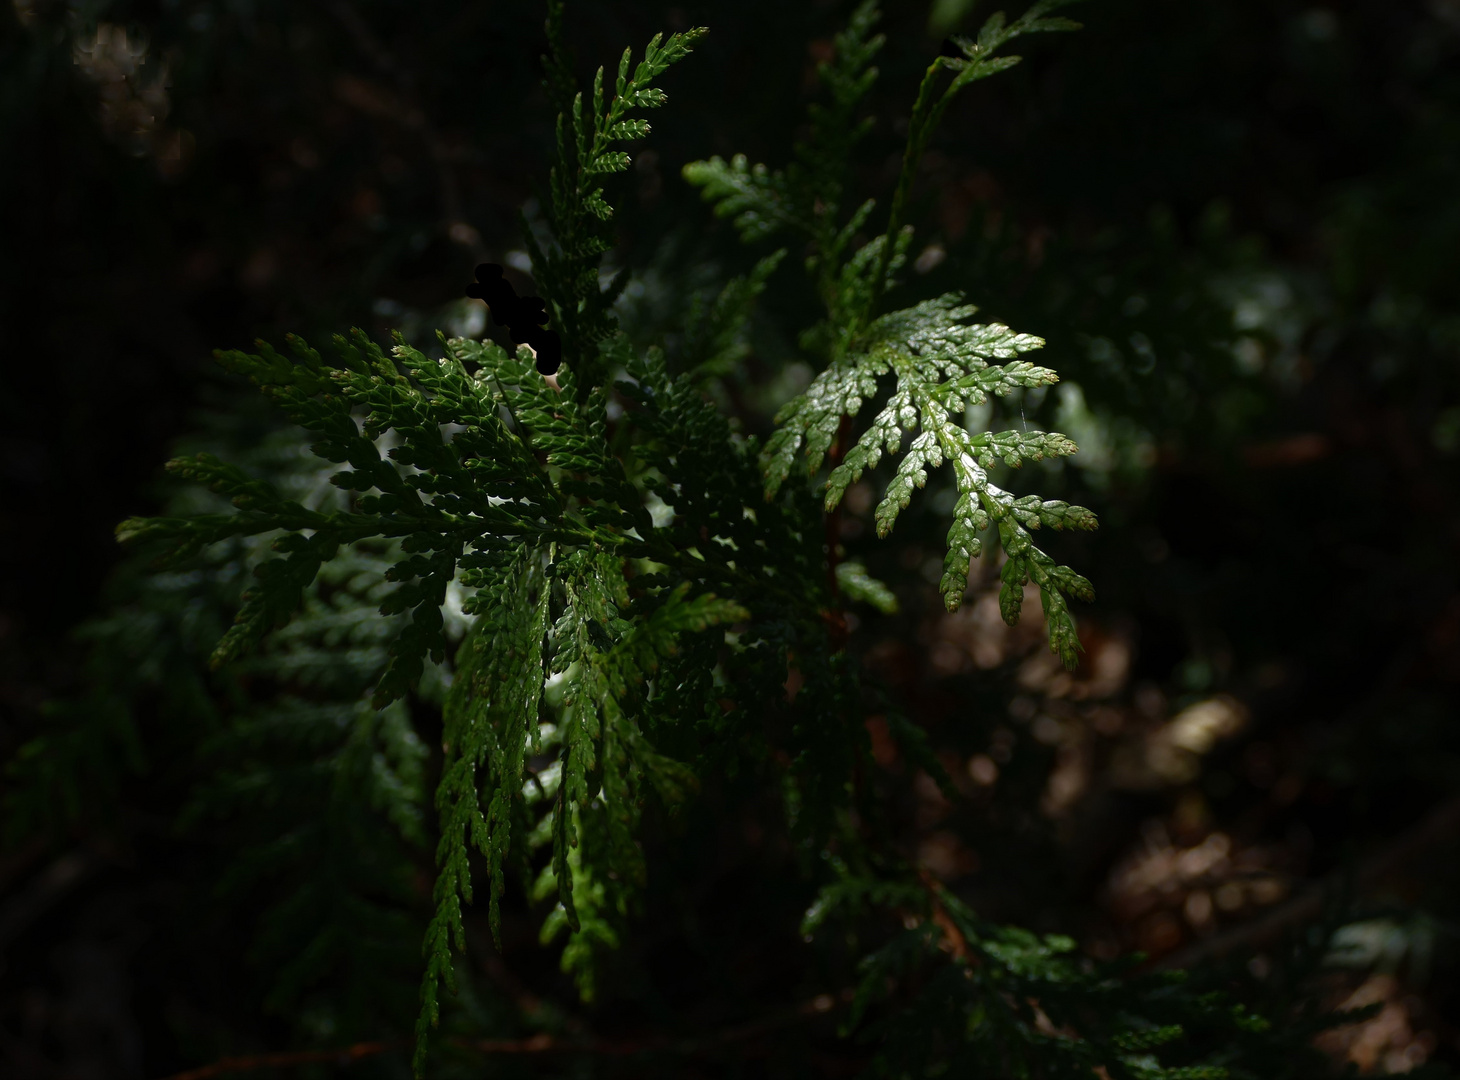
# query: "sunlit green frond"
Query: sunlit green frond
941,363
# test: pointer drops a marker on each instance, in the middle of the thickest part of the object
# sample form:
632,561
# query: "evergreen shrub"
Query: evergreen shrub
618,599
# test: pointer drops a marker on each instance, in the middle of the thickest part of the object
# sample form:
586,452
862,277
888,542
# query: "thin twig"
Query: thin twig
284,1060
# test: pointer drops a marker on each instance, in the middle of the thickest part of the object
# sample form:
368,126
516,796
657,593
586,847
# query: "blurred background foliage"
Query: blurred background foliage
1236,224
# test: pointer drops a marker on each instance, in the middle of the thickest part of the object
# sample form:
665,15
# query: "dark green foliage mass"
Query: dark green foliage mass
585,609
508,654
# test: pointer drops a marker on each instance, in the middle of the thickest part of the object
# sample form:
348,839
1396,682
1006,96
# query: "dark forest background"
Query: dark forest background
1238,226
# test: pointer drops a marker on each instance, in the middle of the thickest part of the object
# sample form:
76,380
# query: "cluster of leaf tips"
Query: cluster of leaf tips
941,363
648,581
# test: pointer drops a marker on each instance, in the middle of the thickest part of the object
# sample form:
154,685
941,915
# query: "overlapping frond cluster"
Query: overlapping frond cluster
633,593
996,1000
324,798
480,476
941,363
451,501
807,196
304,806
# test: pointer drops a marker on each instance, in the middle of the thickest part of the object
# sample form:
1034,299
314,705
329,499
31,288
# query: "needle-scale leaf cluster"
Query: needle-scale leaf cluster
940,363
649,597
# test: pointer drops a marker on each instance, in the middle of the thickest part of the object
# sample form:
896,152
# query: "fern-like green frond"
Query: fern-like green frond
713,334
1002,1001
757,200
602,662
979,61
941,365
490,719
579,213
807,196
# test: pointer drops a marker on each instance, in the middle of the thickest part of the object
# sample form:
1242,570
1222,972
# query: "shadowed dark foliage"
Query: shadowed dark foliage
1235,228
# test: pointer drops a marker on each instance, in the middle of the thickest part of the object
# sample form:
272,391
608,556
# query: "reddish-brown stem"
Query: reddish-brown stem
541,1043
283,1060
953,939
